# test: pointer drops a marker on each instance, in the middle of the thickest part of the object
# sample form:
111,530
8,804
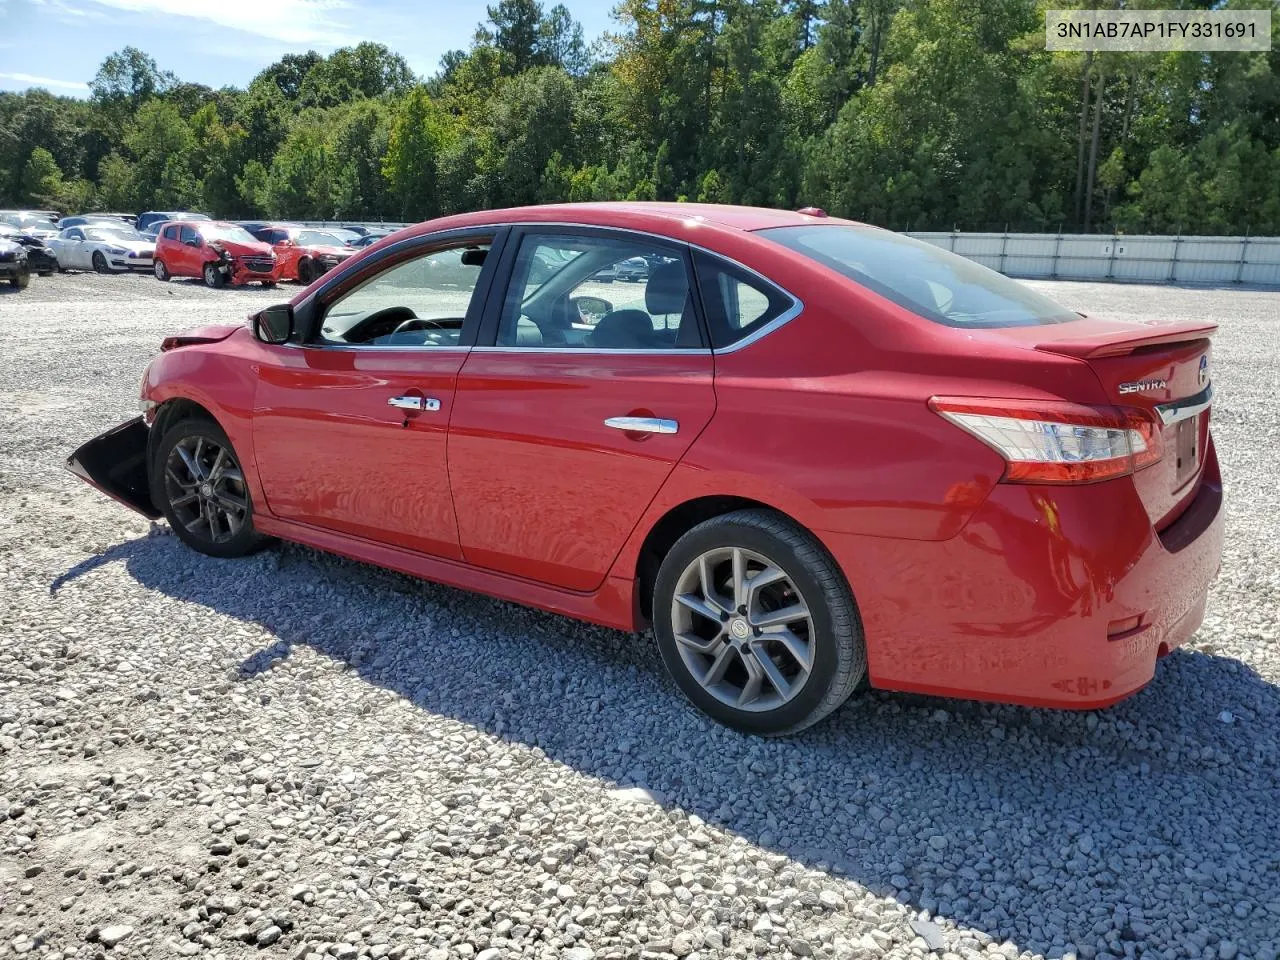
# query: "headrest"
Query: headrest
527,333
668,288
623,330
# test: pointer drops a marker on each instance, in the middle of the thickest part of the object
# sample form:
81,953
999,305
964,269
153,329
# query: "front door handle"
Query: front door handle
429,404
643,424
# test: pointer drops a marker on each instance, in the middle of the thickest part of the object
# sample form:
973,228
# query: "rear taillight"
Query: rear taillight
1057,442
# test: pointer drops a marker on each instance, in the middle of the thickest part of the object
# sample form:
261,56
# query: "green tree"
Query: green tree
41,179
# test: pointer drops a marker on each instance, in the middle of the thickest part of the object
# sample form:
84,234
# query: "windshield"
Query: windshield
226,231
317,238
929,281
30,225
112,235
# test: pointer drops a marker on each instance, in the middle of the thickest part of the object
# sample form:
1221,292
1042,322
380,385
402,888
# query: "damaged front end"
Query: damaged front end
115,462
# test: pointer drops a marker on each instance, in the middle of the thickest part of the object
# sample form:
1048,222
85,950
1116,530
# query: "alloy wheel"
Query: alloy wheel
206,489
743,629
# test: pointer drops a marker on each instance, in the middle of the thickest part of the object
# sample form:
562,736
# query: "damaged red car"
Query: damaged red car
811,454
304,254
217,253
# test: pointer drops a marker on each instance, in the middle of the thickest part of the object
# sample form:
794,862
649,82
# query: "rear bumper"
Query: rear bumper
115,462
1034,601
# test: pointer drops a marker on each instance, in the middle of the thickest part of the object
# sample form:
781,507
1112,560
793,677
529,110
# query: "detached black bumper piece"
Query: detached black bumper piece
41,260
116,463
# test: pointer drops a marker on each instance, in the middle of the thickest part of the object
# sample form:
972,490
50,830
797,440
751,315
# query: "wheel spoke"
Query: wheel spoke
183,500
755,681
771,671
700,606
184,484
233,522
215,471
190,463
707,582
230,501
715,672
739,578
800,651
698,645
778,618
759,581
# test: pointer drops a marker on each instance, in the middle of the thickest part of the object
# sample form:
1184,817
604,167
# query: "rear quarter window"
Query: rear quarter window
927,280
737,302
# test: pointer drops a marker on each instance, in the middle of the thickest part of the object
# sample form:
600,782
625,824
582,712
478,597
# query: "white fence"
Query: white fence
1065,256
1146,259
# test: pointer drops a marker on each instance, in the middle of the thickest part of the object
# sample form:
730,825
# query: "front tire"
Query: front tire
213,278
100,263
756,623
21,281
161,271
306,272
197,482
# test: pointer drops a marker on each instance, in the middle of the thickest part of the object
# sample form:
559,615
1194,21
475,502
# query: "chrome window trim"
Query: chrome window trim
1171,413
599,351
366,347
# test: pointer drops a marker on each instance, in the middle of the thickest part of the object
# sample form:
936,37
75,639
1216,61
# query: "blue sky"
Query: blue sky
58,44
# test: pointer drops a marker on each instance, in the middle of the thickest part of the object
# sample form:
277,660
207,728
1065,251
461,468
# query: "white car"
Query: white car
103,248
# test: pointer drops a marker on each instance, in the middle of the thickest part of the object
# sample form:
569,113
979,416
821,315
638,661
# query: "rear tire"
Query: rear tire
213,278
100,263
161,271
198,483
756,623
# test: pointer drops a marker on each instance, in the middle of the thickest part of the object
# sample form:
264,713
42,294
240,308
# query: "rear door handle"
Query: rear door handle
643,424
429,404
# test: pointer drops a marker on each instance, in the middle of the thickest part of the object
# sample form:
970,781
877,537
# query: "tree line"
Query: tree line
921,114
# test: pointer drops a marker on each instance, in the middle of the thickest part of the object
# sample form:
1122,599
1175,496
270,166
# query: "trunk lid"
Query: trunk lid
1160,369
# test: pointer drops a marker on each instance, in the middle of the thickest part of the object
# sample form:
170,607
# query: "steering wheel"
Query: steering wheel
416,323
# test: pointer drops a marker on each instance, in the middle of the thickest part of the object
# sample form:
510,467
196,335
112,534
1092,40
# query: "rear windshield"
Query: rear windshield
927,280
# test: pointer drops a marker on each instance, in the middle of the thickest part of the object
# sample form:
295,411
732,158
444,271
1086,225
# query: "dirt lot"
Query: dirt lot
293,755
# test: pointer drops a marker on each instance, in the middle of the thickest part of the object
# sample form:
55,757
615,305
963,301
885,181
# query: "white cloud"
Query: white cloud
300,22
27,79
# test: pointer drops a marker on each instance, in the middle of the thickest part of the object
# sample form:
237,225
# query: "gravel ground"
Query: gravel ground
294,755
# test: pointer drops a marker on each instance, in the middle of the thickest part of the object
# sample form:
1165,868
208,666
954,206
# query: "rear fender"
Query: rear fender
115,462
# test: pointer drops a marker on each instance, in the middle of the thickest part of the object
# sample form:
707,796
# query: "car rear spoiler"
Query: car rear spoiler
115,462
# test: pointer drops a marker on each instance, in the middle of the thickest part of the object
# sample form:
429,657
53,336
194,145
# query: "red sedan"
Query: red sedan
216,252
303,254
810,453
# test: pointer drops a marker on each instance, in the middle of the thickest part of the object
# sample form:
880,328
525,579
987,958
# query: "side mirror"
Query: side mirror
274,324
591,309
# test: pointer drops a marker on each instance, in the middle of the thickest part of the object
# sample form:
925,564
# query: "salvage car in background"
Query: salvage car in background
216,252
812,453
103,248
40,258
84,219
13,264
147,222
32,224
303,253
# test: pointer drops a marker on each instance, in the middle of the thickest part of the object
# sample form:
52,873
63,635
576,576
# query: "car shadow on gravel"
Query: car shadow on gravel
1153,825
